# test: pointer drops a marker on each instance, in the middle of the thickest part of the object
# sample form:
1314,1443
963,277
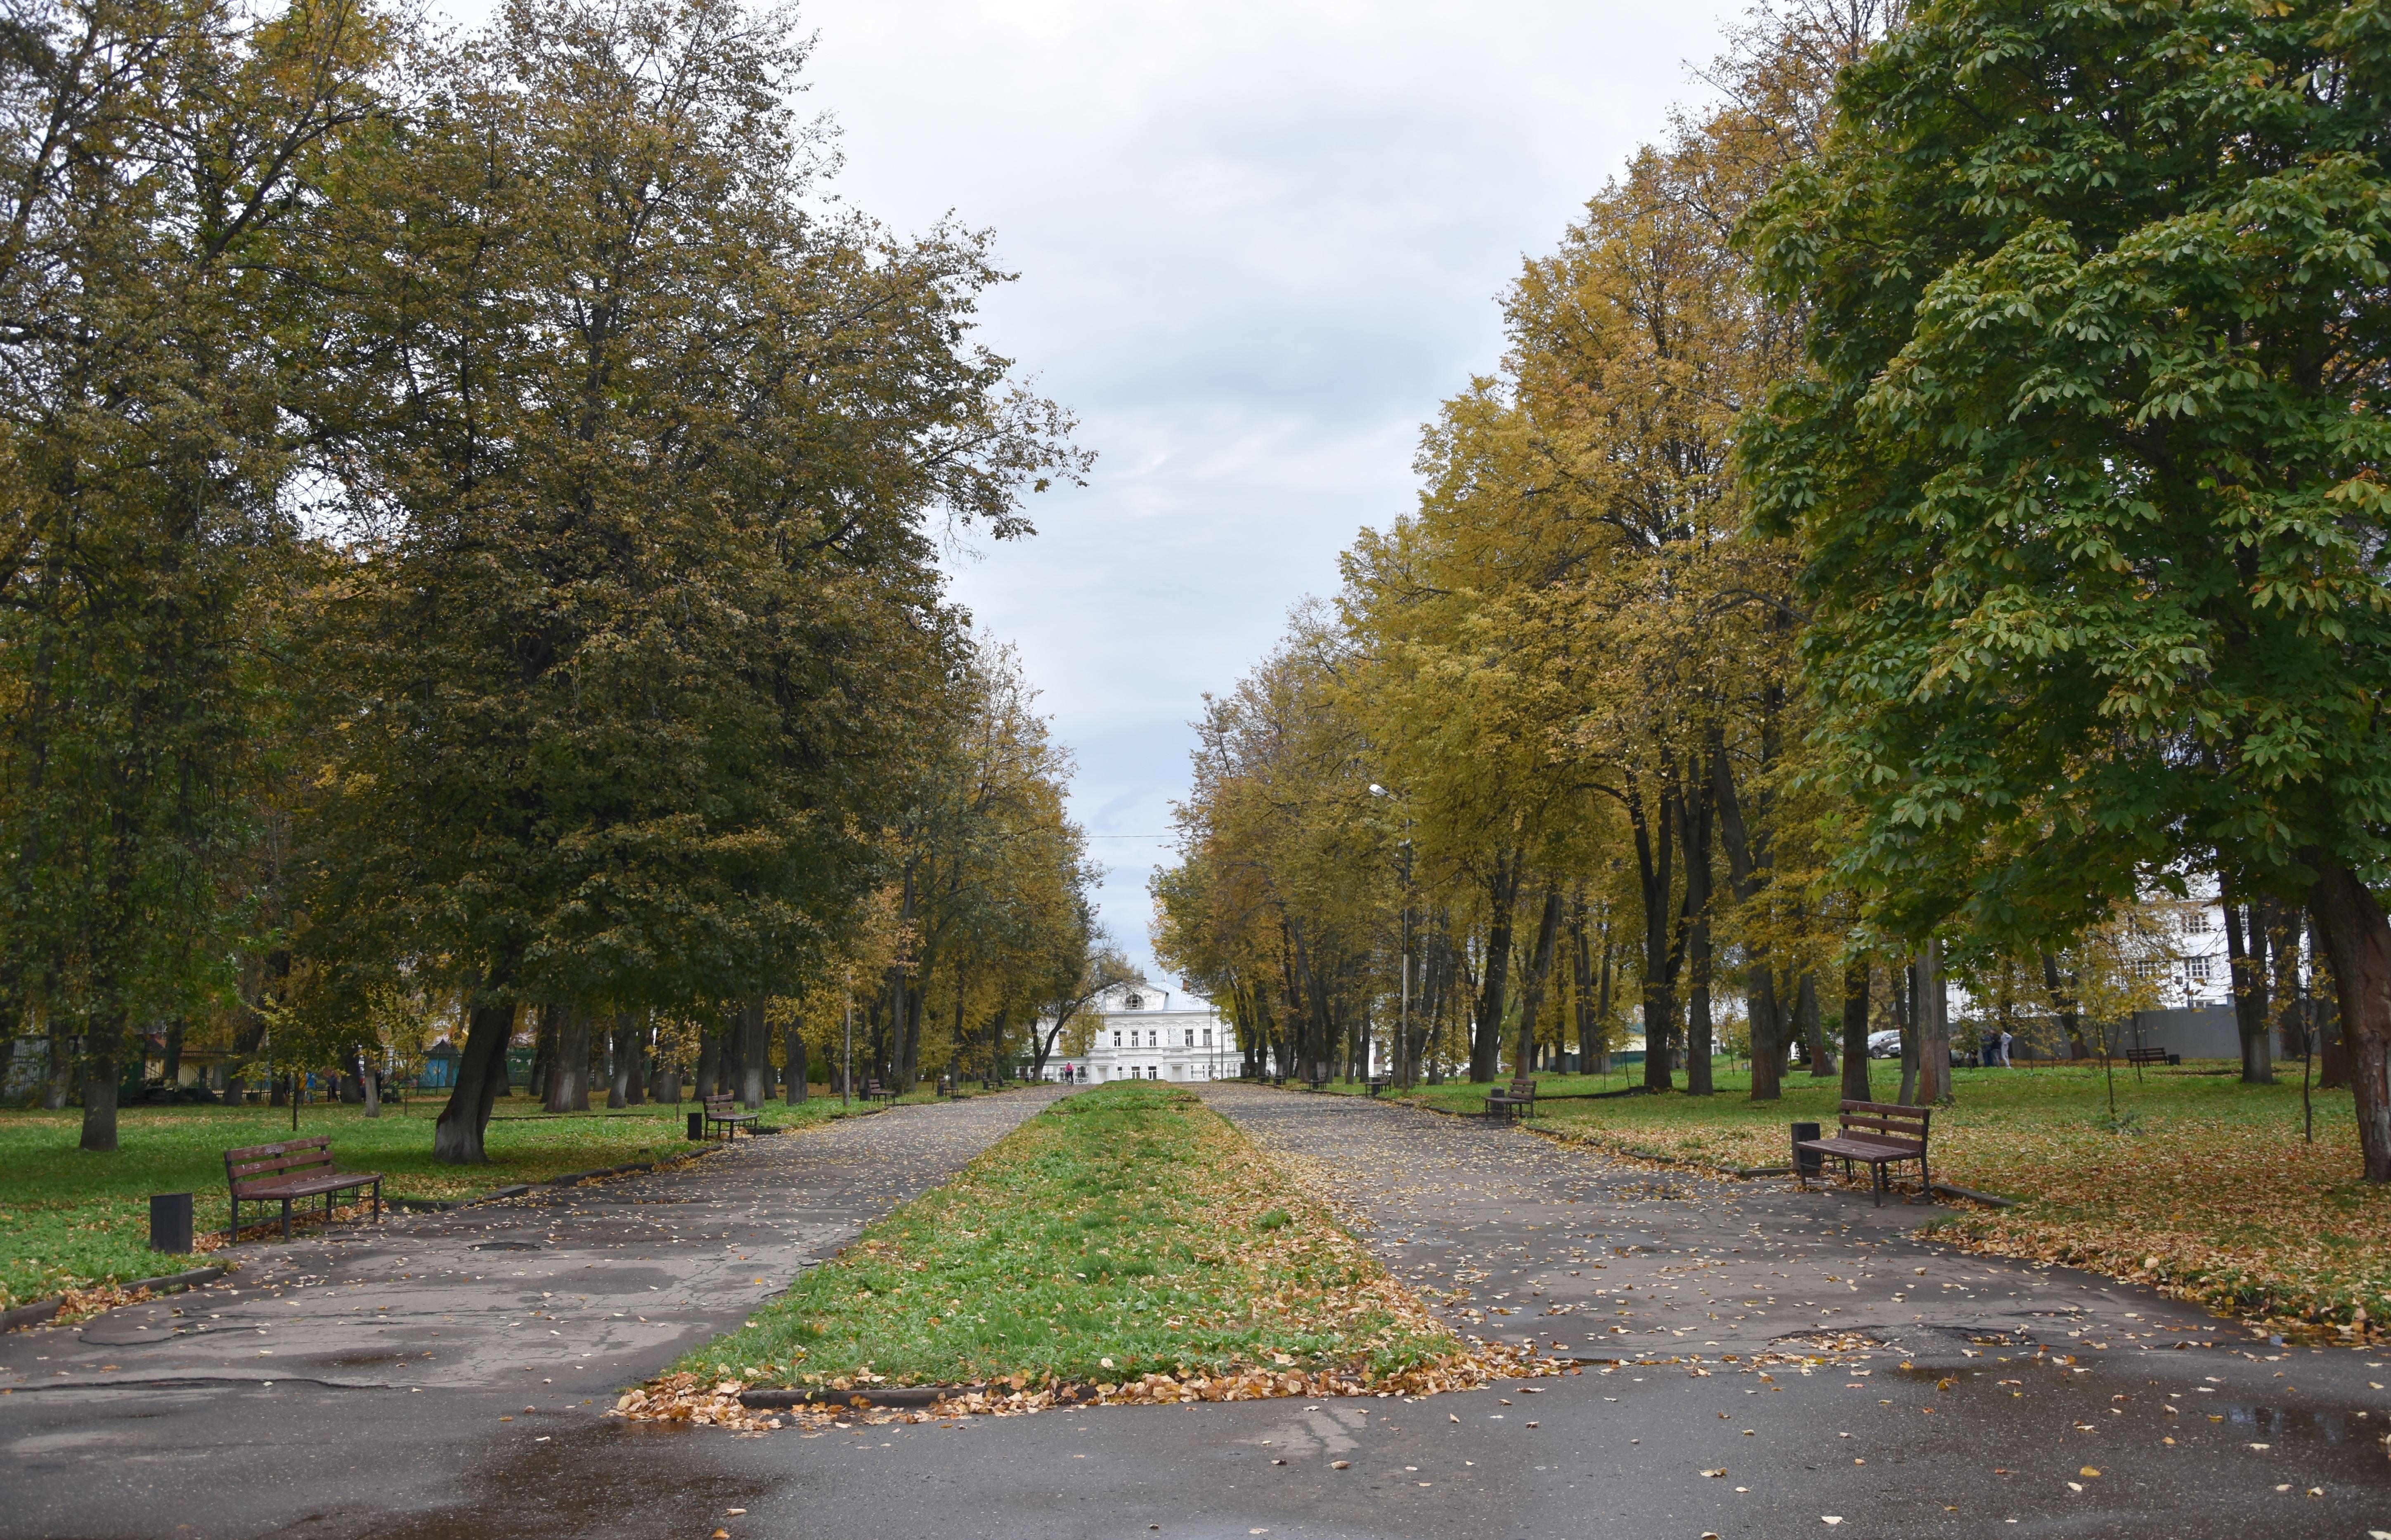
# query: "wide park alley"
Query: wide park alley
1712,1356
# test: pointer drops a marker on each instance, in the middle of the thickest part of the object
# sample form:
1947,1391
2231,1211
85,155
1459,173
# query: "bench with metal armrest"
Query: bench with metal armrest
1515,1100
294,1168
723,1112
1877,1135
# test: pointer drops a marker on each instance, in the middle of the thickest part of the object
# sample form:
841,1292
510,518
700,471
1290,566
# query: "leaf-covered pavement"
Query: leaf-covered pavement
1525,1240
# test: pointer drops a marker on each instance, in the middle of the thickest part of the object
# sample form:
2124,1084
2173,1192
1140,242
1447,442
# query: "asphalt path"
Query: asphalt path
361,1370
1974,1398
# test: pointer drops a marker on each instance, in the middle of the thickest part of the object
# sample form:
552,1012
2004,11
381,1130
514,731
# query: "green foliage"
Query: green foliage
2089,472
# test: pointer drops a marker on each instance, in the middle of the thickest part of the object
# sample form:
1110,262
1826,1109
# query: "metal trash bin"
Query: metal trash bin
170,1222
1807,1163
697,1125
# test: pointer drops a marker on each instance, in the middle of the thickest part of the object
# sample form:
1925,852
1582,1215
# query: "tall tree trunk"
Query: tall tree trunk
1855,1032
456,1137
1698,1036
1814,1029
1767,1034
369,1080
568,1077
1655,858
103,1047
1602,992
2357,941
709,1062
2063,1006
794,1047
1540,965
754,1057
618,1061
172,1072
730,1067
635,1053
1503,896
2336,1061
2284,925
1747,862
1581,986
59,1084
2246,964
1931,1014
1904,1015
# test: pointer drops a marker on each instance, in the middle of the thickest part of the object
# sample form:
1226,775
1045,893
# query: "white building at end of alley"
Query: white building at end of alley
1146,1034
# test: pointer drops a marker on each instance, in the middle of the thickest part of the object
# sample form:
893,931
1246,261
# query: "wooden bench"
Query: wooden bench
1515,1100
295,1168
876,1092
1878,1133
723,1112
2151,1056
1379,1082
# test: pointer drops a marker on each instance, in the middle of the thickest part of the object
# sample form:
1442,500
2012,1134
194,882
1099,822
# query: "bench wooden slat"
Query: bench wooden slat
1878,1133
725,1111
293,1168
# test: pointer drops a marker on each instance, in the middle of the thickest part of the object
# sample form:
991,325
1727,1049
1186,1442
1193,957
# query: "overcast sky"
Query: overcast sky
1258,243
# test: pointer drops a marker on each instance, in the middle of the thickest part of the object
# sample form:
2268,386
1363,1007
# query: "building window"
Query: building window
2197,968
1115,1040
1152,1072
2196,923
1207,1037
1134,1003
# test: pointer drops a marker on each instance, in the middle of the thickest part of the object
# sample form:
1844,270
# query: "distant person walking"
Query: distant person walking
2005,1040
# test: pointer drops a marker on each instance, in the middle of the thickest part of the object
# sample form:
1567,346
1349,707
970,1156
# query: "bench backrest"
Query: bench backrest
1524,1089
2147,1056
1887,1120
276,1159
720,1104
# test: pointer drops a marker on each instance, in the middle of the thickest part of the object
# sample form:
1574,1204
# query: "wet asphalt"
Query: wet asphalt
1969,1397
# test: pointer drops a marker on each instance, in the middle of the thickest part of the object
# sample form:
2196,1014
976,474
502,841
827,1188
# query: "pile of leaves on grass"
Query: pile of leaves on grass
1125,1245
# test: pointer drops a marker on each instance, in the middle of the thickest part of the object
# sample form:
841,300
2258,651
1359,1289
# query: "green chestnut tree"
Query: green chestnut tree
2089,468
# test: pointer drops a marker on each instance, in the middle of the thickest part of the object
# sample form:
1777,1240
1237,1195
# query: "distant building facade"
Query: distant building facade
1147,1033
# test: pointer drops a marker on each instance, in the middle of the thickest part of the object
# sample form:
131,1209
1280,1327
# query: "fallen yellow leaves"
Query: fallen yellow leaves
689,1398
2216,1199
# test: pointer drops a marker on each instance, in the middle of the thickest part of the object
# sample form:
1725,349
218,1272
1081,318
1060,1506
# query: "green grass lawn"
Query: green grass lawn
2202,1186
69,1220
1125,1230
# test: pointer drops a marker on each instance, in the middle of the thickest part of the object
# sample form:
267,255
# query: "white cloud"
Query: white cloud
1258,243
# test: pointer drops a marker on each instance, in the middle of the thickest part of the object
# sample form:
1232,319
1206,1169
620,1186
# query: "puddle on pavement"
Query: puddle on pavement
2269,1422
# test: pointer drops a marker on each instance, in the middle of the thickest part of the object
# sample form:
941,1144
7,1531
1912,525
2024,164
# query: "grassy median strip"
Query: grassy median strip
1127,1234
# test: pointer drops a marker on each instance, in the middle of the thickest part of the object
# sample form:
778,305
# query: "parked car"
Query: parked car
1884,1045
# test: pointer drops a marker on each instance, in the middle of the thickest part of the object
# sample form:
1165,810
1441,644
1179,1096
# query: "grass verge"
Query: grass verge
1127,1239
71,1221
2202,1187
